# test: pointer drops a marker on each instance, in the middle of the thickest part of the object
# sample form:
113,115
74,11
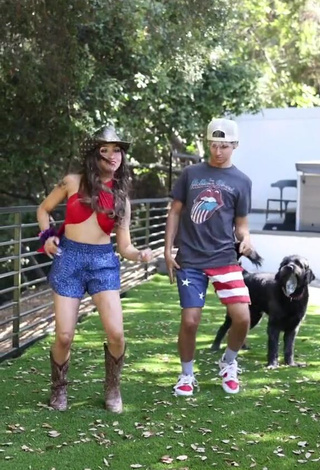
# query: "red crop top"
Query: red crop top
76,212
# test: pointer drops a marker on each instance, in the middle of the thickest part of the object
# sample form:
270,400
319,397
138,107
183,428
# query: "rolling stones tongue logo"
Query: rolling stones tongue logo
205,204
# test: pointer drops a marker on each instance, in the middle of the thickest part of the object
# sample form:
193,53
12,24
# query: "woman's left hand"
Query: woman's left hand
145,255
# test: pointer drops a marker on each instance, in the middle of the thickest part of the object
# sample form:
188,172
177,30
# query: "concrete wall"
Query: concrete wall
271,142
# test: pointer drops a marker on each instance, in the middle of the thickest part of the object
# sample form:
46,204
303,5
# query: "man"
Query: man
211,202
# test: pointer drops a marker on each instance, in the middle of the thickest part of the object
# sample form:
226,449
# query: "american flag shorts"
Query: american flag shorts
227,281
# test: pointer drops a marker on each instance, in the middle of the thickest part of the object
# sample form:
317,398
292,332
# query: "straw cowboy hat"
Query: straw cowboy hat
105,135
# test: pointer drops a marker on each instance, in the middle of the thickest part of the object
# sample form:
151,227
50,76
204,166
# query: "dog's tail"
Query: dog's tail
254,257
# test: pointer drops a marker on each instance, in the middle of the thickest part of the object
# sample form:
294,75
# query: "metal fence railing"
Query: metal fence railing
26,306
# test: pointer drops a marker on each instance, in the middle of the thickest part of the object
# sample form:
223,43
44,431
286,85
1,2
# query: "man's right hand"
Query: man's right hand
171,265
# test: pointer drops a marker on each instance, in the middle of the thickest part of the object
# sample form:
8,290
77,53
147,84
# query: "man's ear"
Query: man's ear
235,145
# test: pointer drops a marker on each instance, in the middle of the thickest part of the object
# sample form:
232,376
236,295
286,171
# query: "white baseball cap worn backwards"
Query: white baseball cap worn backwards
228,129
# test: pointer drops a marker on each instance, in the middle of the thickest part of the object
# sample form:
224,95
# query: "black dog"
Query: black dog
284,297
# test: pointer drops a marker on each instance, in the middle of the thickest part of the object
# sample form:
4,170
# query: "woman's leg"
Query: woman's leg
66,313
109,306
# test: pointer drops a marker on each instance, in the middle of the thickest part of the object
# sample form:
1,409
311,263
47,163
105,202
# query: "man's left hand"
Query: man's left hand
245,247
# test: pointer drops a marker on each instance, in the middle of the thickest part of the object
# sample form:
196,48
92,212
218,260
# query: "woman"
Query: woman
84,260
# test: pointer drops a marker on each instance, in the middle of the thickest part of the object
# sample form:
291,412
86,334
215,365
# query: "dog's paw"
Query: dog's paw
297,364
272,366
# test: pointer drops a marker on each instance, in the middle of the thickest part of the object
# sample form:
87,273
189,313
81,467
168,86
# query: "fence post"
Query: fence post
147,236
16,280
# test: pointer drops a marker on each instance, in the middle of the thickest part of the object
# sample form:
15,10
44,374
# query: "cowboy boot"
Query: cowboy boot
58,399
113,400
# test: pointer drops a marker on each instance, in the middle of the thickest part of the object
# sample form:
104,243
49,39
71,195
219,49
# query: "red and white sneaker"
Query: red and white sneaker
229,374
185,385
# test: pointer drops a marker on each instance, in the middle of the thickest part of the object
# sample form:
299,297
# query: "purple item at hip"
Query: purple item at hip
45,234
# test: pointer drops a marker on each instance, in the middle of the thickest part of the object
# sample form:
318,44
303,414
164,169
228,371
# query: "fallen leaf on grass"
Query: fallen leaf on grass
302,443
182,457
15,428
232,463
166,459
26,448
205,430
54,433
196,448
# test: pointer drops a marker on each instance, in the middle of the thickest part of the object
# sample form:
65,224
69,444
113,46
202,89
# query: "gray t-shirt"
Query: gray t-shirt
212,198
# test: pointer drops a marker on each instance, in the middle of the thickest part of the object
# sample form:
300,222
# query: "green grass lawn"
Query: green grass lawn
273,423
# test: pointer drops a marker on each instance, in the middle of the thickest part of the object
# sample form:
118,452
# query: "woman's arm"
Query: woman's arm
58,194
124,245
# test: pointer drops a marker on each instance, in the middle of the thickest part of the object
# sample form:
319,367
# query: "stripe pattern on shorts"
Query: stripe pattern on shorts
229,284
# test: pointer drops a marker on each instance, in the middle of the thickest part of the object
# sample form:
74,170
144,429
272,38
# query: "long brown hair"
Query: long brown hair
91,185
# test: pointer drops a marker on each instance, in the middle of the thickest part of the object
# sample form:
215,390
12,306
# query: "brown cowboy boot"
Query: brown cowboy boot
58,399
113,400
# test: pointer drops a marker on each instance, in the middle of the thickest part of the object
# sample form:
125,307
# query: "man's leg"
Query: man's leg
190,319
192,286
233,293
240,316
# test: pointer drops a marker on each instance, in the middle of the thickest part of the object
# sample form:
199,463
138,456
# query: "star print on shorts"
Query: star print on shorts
227,281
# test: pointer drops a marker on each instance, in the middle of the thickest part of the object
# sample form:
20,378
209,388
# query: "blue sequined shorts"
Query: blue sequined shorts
82,267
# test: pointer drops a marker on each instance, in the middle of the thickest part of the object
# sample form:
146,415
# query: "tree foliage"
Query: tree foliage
282,39
157,70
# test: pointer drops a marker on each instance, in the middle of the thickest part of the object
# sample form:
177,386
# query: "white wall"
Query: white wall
271,142
273,247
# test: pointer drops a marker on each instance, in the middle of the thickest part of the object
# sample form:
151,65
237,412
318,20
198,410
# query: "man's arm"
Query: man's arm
170,234
242,234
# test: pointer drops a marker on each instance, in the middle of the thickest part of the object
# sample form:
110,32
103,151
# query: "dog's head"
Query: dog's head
254,257
294,273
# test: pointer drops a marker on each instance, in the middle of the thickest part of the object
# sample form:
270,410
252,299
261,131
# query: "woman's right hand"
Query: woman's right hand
51,246
171,265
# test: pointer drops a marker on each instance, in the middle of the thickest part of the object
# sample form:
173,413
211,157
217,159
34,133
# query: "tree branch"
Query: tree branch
15,195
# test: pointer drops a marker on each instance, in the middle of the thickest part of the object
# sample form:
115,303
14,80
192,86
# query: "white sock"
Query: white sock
229,356
187,367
